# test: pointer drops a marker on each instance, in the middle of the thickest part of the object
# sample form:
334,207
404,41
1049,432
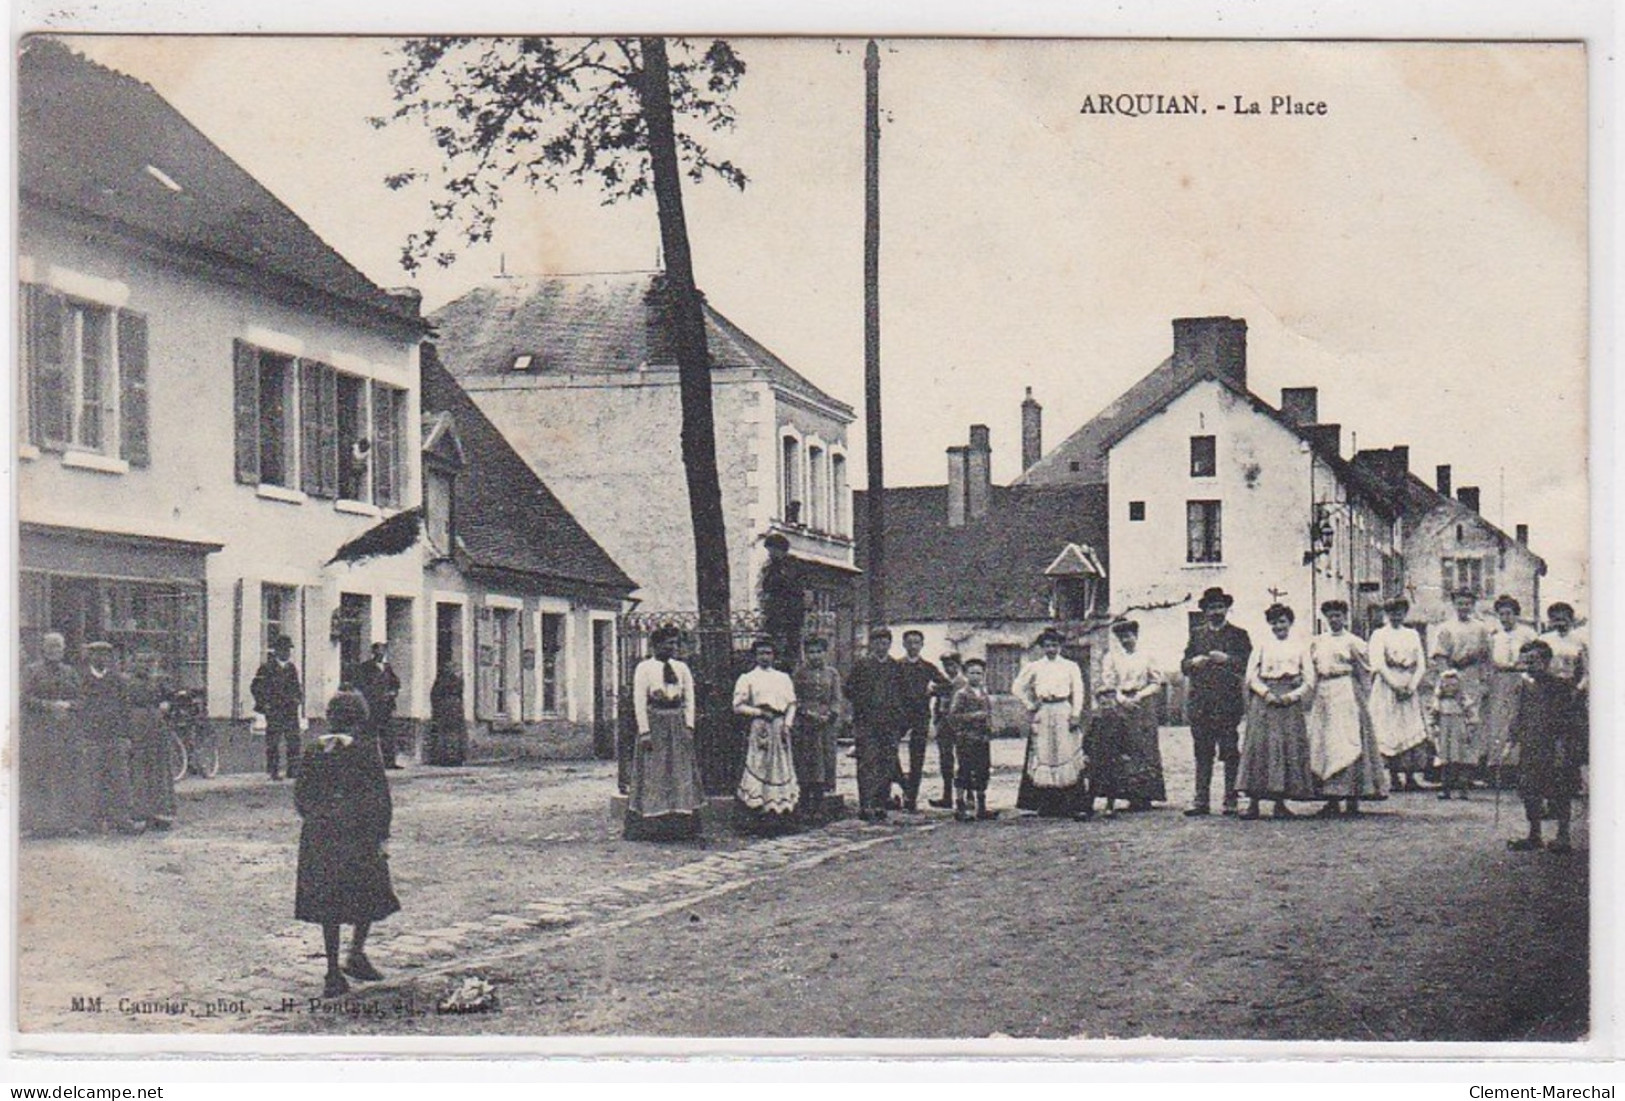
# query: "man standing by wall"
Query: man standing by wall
1216,663
375,679
872,688
278,696
783,600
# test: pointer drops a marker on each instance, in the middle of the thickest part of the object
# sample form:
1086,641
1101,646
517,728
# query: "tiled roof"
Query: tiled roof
104,146
507,519
1088,445
991,568
589,324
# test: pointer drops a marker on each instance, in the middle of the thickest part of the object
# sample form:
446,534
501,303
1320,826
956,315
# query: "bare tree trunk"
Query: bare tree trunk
699,427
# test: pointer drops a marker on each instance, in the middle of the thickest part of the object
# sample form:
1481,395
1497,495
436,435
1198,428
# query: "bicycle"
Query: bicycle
194,747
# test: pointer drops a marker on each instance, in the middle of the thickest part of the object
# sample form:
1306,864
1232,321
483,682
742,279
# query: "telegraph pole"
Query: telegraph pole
876,518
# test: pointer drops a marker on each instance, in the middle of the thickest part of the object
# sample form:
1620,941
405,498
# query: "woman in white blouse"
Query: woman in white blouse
1275,761
666,794
1343,751
1398,666
767,696
1501,702
1125,761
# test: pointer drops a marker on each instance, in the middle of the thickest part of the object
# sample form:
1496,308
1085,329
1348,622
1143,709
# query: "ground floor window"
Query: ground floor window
145,620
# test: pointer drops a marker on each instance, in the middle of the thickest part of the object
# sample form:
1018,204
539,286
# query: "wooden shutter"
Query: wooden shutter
486,704
329,433
1447,580
530,673
47,367
134,411
310,427
383,445
246,360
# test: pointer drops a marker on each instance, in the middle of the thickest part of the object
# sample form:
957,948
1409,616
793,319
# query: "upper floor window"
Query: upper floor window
1477,575
302,425
817,490
842,495
85,368
790,473
1203,537
1136,510
437,505
1204,456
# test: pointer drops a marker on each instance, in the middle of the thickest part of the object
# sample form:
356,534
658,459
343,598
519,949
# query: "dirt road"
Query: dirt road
1413,923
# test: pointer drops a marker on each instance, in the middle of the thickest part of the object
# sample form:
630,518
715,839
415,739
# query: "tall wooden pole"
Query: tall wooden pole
876,518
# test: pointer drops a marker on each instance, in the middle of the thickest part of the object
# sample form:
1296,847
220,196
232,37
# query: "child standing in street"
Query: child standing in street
970,717
1455,733
342,795
1548,728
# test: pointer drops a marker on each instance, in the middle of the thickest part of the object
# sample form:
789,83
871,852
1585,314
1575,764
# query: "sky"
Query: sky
1418,252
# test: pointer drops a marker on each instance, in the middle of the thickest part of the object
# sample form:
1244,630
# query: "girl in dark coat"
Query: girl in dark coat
343,797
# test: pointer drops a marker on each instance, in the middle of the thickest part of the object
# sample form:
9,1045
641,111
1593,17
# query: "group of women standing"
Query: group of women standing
789,751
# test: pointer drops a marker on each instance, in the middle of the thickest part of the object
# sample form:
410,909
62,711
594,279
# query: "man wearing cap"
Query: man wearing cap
278,696
375,679
872,689
104,715
1216,664
918,682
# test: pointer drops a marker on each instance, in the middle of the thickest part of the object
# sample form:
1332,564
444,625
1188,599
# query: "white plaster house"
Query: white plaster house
212,401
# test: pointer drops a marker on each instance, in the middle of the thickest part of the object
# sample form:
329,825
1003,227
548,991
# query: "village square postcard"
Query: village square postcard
724,543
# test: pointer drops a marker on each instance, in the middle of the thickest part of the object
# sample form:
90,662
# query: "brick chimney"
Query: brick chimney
1441,479
1468,495
978,472
1522,531
1214,344
1032,431
1301,404
1391,465
957,466
1326,439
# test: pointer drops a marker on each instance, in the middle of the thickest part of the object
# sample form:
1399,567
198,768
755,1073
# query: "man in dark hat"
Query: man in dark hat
375,679
1216,664
872,689
278,696
104,715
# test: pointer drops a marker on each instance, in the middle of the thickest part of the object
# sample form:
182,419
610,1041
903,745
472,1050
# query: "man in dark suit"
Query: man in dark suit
375,679
1216,663
279,696
871,687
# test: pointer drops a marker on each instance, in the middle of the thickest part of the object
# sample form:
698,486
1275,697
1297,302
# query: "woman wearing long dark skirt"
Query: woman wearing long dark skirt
343,797
1125,760
1275,761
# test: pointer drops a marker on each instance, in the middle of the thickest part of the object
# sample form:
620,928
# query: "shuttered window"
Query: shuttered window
85,376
